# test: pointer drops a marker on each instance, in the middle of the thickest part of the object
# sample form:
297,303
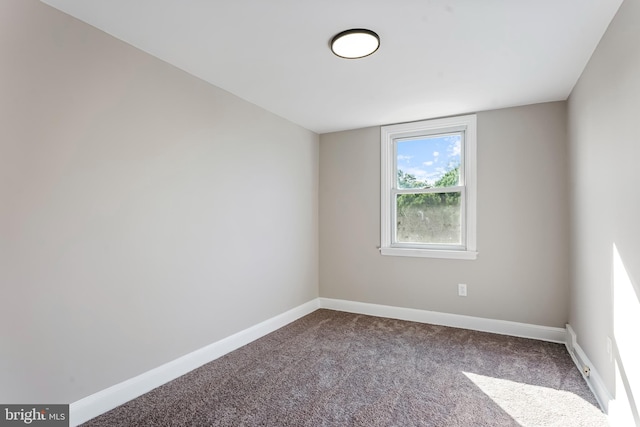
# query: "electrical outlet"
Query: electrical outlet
462,290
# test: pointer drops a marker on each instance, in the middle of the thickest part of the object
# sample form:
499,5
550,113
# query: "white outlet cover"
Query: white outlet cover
462,290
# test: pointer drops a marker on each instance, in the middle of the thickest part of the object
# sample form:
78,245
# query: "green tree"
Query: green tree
449,179
406,180
418,201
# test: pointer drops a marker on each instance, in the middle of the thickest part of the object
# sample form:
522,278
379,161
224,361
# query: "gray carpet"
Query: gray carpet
339,369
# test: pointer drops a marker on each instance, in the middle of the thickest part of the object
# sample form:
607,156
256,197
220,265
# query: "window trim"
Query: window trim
388,181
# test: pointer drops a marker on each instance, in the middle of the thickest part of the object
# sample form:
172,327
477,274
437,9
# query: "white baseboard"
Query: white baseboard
105,400
594,380
503,327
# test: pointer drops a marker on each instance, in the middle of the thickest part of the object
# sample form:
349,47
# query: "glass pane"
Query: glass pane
432,218
432,161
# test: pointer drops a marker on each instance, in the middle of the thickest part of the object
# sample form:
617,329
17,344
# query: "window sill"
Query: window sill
429,253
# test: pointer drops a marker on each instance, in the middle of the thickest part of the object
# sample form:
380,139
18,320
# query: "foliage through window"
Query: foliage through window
428,188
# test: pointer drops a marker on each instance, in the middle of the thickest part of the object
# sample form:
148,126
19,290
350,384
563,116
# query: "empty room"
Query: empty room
319,213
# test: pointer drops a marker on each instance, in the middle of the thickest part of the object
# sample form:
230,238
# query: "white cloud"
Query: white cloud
429,163
403,157
436,154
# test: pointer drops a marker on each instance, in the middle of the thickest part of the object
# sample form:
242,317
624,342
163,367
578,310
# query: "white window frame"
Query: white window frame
391,133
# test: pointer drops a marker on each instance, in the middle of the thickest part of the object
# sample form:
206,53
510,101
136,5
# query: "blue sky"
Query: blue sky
428,159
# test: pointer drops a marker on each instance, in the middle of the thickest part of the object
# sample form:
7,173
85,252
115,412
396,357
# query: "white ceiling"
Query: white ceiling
437,57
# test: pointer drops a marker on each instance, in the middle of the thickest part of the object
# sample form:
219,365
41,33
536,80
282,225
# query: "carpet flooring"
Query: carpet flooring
340,369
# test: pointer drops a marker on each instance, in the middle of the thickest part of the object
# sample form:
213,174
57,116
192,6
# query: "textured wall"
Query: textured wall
605,148
143,213
521,273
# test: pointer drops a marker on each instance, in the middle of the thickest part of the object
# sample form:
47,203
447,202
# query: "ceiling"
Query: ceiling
437,57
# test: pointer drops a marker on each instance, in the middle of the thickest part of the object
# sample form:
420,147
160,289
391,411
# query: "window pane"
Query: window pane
426,162
432,218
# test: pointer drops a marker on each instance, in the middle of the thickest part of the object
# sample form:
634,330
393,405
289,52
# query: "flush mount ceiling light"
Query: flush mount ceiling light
355,43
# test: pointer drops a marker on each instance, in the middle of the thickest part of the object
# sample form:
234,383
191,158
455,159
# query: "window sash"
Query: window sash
430,134
460,188
442,190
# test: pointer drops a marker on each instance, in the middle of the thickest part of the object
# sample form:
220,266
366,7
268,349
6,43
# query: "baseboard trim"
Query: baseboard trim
594,380
98,403
503,327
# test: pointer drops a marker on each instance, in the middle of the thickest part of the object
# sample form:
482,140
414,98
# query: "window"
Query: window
428,199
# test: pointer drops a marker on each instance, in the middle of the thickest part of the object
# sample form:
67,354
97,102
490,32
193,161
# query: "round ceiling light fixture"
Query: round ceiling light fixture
355,43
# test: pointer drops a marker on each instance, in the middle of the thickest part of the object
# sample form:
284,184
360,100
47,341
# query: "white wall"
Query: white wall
604,150
521,273
143,213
